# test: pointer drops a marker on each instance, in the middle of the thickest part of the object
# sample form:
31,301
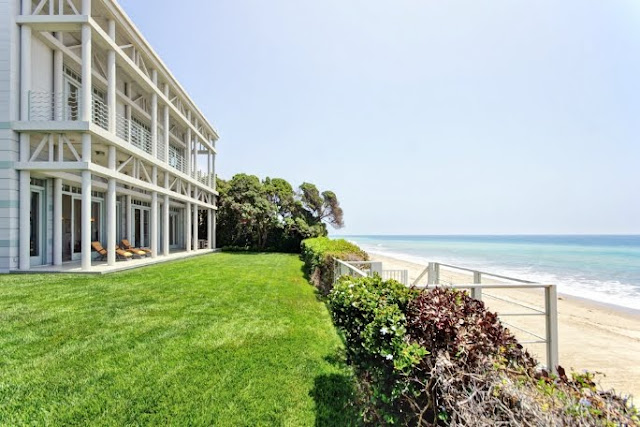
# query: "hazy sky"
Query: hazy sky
424,116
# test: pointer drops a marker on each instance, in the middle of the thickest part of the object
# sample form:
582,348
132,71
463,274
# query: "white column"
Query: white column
111,209
111,79
195,227
209,168
25,71
58,79
209,229
57,221
24,243
213,171
154,116
213,222
154,214
188,152
85,220
187,231
166,125
129,216
86,7
165,219
86,95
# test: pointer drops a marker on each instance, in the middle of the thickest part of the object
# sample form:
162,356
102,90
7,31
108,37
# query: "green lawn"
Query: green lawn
223,339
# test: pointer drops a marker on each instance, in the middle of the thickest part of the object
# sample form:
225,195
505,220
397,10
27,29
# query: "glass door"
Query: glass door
142,227
37,227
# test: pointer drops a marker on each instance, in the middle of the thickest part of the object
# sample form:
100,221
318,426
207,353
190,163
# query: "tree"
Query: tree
270,215
322,207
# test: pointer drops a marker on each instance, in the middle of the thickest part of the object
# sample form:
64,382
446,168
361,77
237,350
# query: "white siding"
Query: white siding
41,66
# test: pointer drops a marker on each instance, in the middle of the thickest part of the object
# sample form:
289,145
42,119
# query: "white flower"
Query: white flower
351,286
389,357
384,330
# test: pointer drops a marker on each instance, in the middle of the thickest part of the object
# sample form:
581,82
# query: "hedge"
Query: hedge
438,357
318,255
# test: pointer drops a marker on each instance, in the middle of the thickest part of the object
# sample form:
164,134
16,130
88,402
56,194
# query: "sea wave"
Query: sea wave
613,292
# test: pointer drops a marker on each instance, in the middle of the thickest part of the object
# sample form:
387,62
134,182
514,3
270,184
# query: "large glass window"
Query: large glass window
35,223
96,221
77,225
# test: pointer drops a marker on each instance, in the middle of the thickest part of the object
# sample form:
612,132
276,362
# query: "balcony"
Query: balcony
50,106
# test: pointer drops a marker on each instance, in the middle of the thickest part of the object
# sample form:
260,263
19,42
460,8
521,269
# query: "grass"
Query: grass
223,339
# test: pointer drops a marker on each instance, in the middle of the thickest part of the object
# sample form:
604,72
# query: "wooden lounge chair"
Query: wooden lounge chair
102,252
124,244
122,254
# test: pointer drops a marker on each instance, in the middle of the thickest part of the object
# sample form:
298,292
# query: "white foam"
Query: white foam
605,291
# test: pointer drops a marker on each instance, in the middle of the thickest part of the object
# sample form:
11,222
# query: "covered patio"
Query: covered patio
103,267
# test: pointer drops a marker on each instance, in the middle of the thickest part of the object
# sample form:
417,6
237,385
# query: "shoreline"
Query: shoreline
593,335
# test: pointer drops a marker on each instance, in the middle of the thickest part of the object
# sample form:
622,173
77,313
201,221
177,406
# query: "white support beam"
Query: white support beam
129,217
85,221
25,70
195,224
111,79
154,215
58,76
111,209
209,228
214,215
57,221
87,91
154,117
166,127
24,243
165,219
187,228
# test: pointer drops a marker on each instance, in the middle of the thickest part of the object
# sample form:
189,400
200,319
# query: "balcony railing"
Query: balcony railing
49,106
134,133
177,160
99,112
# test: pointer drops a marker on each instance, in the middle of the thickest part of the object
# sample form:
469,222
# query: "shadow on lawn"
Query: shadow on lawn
335,397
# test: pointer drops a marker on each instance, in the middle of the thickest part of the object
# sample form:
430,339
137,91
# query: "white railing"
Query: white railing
177,160
49,106
99,112
401,276
133,133
342,268
444,275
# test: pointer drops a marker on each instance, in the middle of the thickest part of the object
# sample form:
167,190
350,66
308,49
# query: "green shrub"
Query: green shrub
318,255
370,313
438,357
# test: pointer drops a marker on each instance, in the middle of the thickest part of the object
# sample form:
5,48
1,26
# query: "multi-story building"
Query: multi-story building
98,141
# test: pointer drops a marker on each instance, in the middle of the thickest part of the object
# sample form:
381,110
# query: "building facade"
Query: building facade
98,141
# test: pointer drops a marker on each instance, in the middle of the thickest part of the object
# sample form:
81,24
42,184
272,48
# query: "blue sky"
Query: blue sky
425,117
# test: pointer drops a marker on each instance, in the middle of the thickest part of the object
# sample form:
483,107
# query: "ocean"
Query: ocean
600,268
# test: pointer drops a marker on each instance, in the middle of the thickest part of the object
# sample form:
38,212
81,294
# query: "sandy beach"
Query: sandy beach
593,336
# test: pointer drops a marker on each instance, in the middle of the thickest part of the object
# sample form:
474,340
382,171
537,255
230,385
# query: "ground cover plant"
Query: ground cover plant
222,339
319,256
438,357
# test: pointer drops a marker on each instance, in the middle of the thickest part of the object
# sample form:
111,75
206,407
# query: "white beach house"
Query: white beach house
98,143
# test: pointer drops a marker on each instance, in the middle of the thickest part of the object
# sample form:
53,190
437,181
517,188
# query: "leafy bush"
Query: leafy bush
439,357
318,254
370,313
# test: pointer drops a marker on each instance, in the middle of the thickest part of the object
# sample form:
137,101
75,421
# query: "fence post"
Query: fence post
436,273
476,292
376,267
551,317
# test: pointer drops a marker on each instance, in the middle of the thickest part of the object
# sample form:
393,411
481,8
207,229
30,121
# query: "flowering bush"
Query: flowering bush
370,313
318,254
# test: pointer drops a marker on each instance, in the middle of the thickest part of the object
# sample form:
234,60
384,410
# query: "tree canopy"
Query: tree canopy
271,215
